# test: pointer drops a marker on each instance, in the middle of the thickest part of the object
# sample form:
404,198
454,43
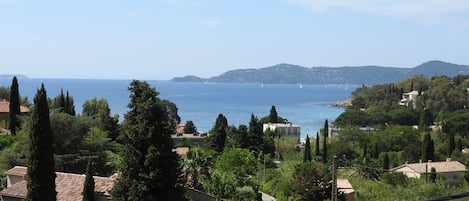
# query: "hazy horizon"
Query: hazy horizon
163,39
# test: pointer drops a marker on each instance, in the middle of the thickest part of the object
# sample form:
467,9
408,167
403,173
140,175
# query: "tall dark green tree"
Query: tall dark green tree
69,106
88,188
307,154
317,152
451,144
218,133
13,120
324,144
41,170
386,161
428,150
190,127
273,116
150,170
255,133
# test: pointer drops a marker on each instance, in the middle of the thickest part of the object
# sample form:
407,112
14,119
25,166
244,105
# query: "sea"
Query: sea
305,105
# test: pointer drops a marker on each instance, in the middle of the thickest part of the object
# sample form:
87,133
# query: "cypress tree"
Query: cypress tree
376,151
273,116
69,107
150,170
88,188
61,101
428,152
433,175
41,168
14,107
307,153
451,144
386,161
324,144
317,144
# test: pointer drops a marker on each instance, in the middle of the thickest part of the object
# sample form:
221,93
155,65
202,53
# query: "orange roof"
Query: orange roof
68,186
5,107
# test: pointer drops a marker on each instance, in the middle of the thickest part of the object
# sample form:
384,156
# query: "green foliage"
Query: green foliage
14,121
395,178
273,116
239,162
100,112
150,169
88,187
353,118
254,138
324,145
41,170
221,184
190,127
307,152
195,167
428,150
311,181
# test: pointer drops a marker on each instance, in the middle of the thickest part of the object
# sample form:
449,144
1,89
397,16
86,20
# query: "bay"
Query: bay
304,105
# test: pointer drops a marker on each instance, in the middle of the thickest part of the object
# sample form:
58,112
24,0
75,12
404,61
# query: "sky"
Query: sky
163,39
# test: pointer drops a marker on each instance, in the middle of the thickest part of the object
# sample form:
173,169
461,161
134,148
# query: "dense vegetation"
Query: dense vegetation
235,162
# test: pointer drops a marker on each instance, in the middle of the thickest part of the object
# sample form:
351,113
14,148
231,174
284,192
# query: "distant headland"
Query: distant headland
357,75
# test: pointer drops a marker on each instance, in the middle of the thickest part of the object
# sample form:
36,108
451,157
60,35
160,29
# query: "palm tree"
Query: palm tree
195,167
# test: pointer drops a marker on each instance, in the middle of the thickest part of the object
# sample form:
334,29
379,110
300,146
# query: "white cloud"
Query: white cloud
428,11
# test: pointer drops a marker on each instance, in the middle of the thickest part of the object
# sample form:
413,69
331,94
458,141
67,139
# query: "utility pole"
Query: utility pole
334,178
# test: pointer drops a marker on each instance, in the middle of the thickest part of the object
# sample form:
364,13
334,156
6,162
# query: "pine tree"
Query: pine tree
324,145
150,170
88,188
317,145
41,170
273,116
307,153
13,120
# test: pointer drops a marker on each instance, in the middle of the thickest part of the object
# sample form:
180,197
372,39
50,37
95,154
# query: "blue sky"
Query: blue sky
162,39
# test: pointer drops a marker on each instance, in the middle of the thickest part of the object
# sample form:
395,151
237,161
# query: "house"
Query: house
452,170
409,99
284,129
68,186
5,109
344,186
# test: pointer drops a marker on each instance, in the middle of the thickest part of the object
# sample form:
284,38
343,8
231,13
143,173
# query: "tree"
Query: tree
41,170
88,188
317,144
273,115
307,153
324,145
217,138
254,138
386,161
190,127
311,181
99,110
451,144
428,152
433,175
150,169
13,120
69,107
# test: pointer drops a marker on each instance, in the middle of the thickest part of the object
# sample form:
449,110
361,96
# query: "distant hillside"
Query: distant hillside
293,74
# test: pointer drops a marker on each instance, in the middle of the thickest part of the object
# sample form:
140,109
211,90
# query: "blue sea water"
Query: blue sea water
304,105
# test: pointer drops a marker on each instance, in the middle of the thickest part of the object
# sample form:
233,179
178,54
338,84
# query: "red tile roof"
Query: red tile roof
5,107
68,186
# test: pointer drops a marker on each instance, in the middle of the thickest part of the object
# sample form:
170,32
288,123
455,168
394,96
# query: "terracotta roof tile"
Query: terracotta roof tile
68,186
440,167
5,107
